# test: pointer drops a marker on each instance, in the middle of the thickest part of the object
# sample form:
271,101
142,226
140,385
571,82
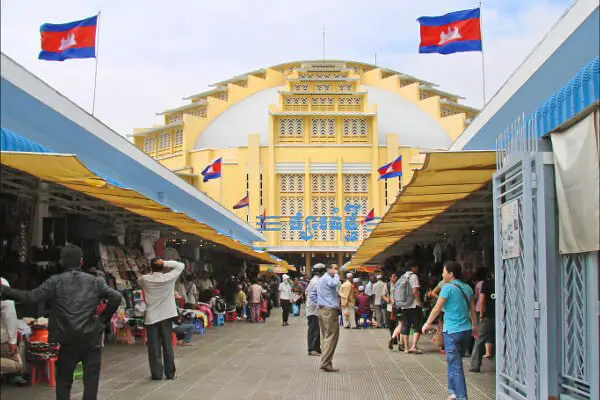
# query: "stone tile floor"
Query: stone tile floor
268,361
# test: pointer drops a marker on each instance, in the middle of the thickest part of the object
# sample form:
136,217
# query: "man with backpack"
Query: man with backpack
406,298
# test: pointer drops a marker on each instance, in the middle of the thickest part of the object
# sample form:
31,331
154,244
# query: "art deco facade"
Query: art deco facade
307,137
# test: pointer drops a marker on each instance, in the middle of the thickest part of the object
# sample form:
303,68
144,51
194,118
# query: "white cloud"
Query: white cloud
154,54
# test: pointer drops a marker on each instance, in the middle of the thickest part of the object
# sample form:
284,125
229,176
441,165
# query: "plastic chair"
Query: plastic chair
231,316
198,325
220,320
44,371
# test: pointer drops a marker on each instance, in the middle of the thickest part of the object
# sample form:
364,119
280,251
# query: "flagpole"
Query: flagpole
97,54
323,42
482,56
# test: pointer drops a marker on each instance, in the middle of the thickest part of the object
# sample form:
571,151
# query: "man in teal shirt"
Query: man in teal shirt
456,300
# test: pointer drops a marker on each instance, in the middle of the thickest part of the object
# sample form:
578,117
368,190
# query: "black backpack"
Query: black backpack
220,305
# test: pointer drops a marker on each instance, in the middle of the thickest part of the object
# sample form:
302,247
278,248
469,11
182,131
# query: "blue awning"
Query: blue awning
34,110
579,93
10,141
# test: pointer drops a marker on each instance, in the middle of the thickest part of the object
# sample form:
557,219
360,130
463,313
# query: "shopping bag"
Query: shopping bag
295,309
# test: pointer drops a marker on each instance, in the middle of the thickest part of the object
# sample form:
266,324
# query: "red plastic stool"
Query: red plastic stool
174,339
231,316
46,374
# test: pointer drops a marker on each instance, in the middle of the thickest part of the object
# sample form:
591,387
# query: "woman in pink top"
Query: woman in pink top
254,299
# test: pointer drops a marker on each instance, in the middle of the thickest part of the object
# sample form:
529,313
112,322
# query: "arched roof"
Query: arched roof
395,114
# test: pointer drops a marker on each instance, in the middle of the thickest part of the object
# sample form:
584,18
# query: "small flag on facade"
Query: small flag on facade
245,202
451,33
263,220
75,39
212,171
370,217
391,170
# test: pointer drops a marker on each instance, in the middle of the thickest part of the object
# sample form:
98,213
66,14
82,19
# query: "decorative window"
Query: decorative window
178,139
291,183
323,88
323,183
300,88
164,141
291,127
173,118
291,187
324,127
354,127
149,144
323,205
424,94
222,96
323,104
289,206
296,104
446,111
356,70
345,87
356,183
352,103
198,111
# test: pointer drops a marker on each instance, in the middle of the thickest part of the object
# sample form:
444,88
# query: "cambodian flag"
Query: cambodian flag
245,202
451,33
71,40
263,220
212,171
370,217
391,170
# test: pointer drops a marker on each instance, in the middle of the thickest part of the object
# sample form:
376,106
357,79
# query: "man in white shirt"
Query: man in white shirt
159,293
412,315
10,359
378,289
285,297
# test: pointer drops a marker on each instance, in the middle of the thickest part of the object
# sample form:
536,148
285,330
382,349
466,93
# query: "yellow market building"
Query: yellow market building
304,140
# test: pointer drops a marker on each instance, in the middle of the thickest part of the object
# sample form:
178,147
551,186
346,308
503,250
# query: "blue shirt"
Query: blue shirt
327,292
456,309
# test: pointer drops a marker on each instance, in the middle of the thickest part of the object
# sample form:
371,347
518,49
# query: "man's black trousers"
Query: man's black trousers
314,334
160,349
87,350
286,307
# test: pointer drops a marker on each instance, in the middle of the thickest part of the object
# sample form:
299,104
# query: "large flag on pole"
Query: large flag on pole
451,33
75,39
212,171
245,202
391,170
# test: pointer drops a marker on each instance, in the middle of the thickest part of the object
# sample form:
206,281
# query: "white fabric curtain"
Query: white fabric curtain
578,185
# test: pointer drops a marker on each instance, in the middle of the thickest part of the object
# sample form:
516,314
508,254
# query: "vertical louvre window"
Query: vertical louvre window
291,202
324,127
178,139
149,144
164,141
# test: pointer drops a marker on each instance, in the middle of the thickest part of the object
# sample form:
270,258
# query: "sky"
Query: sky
153,53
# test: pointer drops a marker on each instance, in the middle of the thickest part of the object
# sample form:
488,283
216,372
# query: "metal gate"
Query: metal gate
579,363
521,265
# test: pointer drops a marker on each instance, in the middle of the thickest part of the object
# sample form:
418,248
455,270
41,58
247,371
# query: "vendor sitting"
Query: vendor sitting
217,303
184,331
240,301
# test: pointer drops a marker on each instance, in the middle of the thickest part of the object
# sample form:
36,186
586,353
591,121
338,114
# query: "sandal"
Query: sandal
184,344
415,351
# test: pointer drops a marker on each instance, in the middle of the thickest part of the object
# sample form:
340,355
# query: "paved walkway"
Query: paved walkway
268,361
